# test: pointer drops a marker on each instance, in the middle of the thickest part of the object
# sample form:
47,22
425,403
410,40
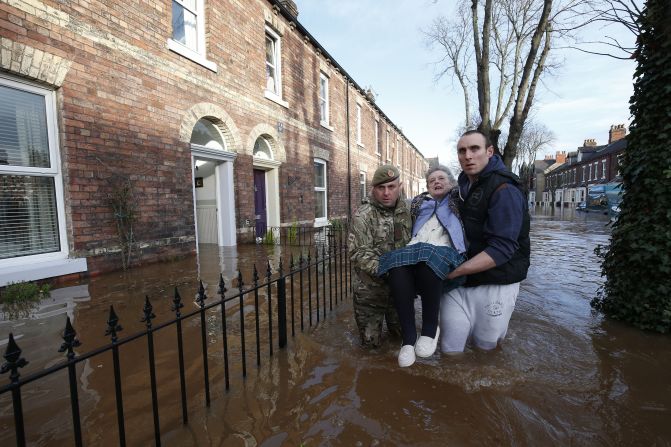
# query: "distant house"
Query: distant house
568,183
547,194
433,161
537,179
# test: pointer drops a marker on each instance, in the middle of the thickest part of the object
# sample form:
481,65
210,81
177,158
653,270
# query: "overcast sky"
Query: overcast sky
380,44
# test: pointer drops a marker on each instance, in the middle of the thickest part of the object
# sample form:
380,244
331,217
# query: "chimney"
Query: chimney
560,157
549,157
590,142
290,5
616,132
370,94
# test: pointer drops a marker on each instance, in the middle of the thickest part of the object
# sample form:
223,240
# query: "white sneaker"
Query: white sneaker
406,356
426,346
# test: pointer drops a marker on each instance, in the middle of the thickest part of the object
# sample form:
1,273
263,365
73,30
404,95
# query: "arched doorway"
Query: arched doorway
266,187
213,193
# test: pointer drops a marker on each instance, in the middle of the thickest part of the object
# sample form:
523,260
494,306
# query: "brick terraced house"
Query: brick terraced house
216,119
568,183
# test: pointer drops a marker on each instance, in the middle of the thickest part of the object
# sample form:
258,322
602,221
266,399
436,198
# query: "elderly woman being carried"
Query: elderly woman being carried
437,247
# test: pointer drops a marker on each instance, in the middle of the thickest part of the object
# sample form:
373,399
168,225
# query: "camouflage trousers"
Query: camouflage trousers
372,306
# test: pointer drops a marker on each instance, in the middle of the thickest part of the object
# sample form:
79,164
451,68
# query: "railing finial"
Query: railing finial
177,303
240,283
70,340
14,360
222,286
201,296
113,325
148,312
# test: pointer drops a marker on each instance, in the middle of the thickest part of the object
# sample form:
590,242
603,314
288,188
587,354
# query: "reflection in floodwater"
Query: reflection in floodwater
563,376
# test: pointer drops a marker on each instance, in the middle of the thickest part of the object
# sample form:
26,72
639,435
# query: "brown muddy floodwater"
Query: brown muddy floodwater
563,376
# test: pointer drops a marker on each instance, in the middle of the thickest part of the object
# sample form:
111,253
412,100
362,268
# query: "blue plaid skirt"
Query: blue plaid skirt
441,259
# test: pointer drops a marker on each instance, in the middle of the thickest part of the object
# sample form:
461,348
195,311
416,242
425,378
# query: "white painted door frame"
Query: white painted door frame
224,187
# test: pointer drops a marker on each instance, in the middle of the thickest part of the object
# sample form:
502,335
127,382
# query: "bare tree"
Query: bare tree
455,167
457,52
535,137
614,12
511,42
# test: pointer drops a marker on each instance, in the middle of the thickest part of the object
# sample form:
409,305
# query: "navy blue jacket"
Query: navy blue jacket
496,221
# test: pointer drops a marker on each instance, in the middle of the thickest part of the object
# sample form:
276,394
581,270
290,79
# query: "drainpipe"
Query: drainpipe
349,167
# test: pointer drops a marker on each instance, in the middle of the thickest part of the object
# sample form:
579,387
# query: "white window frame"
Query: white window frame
321,221
324,115
197,55
388,160
398,152
377,137
362,184
589,178
584,169
276,95
603,169
358,125
43,265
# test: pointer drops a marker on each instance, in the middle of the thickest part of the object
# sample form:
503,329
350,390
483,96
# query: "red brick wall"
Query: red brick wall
125,96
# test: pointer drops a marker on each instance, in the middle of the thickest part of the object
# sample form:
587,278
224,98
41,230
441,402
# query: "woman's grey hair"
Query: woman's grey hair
445,169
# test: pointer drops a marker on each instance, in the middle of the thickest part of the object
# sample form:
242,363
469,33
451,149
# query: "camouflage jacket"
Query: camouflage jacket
376,230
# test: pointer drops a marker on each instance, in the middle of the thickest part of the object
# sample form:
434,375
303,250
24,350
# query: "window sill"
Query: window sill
21,271
188,53
276,99
379,155
321,222
326,126
360,144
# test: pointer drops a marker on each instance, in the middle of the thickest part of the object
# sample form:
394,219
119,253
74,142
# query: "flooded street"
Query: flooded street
563,376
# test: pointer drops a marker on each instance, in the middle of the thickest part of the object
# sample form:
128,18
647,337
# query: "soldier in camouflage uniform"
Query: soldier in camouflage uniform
380,225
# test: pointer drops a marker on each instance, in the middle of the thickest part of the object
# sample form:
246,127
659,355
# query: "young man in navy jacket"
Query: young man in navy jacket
496,223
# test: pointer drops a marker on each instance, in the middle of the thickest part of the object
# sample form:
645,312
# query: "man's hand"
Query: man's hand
478,263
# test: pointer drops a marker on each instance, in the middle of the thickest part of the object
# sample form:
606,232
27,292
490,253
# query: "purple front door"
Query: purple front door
260,202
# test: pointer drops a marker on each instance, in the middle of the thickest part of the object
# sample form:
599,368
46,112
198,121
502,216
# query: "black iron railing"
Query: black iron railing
325,269
295,235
